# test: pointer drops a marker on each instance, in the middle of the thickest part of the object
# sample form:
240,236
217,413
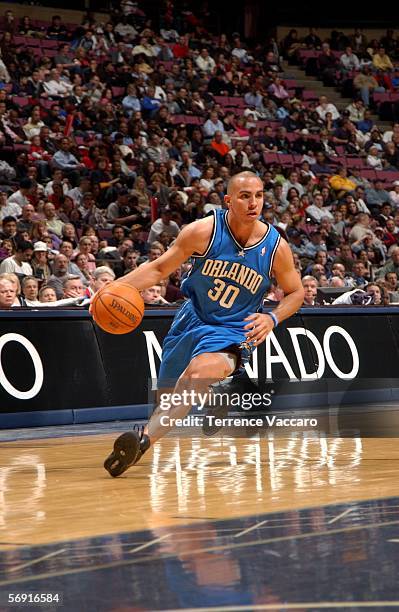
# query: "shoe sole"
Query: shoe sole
125,453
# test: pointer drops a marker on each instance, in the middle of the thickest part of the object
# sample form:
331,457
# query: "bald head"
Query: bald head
239,180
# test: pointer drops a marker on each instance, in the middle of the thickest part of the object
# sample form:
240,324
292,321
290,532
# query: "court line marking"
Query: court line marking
241,533
127,562
340,516
395,540
147,544
298,606
15,568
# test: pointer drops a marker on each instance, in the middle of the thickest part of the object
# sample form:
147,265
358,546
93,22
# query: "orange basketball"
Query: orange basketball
118,308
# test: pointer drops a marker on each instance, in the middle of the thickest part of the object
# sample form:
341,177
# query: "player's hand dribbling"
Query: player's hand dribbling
259,327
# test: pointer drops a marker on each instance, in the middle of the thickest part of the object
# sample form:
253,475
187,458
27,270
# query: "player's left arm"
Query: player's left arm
288,279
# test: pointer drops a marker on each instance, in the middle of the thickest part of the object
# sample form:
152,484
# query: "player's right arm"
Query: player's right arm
193,239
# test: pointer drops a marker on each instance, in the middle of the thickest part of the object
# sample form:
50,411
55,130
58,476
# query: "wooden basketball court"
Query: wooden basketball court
205,509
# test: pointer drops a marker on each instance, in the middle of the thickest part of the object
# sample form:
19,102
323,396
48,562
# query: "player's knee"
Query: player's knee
207,372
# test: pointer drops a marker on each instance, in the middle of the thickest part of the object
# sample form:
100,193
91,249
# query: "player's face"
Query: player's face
245,201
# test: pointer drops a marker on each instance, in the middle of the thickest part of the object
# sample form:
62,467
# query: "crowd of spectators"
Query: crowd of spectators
115,135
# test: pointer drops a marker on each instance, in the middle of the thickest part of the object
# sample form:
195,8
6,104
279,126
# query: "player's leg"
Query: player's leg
202,371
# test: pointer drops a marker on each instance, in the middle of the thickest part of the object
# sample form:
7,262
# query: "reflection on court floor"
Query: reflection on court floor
222,523
337,554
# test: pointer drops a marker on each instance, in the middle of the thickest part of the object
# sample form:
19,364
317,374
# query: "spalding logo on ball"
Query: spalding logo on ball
118,308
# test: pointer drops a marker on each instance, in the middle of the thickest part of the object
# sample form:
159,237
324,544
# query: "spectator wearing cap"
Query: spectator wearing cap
39,261
296,241
19,262
315,245
164,224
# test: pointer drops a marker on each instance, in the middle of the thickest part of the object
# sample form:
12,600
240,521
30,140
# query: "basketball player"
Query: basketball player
234,256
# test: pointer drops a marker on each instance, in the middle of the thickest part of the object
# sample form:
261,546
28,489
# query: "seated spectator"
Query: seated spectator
153,296
310,285
57,30
53,223
19,262
373,159
341,183
39,261
349,60
392,264
365,84
317,211
73,287
325,107
103,275
213,125
375,291
376,196
163,224
21,197
381,61
8,294
85,249
219,146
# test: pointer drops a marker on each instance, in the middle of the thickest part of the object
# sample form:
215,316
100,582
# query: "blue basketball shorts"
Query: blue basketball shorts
189,336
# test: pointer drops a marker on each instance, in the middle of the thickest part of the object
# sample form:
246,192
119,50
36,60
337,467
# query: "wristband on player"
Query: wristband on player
273,316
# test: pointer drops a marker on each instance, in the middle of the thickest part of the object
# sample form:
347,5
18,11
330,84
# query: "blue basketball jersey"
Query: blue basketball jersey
228,282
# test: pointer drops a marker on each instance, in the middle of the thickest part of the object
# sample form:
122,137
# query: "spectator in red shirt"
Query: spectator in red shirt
221,148
180,49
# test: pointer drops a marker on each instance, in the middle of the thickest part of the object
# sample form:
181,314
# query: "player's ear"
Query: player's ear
227,200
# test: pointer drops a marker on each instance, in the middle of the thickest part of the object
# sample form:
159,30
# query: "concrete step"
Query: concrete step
313,84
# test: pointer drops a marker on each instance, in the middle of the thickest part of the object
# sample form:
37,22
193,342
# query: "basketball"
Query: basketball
118,308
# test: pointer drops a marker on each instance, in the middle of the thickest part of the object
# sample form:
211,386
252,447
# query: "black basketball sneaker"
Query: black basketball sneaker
129,447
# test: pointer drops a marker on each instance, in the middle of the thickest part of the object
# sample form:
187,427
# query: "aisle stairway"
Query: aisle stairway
311,83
